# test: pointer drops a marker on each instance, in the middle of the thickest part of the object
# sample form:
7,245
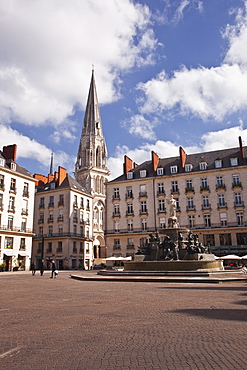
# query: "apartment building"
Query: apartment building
63,220
210,192
17,188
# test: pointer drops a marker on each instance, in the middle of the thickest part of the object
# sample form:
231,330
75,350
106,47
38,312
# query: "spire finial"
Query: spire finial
51,165
92,68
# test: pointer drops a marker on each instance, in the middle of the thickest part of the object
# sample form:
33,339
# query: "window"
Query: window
236,180
8,242
25,189
11,204
49,249
2,182
219,181
116,226
223,219
2,162
143,242
190,203
75,204
59,246
174,169
144,207
42,202
116,193
221,200
13,166
74,247
162,222
23,224
189,185
161,205
23,244
143,192
116,244
191,221
204,183
25,207
143,173
234,161
188,167
207,220
1,202
50,230
208,239
205,202
225,239
10,222
13,185
129,209
130,242
203,166
88,205
160,171
144,224
174,187
116,210
41,230
161,190
129,193
61,200
240,218
130,225
238,199
218,163
129,175
60,230
241,238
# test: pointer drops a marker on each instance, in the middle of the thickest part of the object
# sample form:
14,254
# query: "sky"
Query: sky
168,73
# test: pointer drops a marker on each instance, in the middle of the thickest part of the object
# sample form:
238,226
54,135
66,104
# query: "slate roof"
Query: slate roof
68,183
194,159
19,169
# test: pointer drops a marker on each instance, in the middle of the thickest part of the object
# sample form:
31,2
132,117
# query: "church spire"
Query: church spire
92,152
51,165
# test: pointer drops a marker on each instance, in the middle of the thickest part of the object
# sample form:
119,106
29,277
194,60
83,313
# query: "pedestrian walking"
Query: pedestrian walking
42,267
53,268
33,267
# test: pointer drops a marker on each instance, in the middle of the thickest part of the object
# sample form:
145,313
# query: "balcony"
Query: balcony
60,218
131,213
130,246
87,221
15,229
206,207
24,211
25,193
117,246
189,190
175,191
51,205
143,194
12,189
237,185
75,205
143,212
2,186
161,210
22,248
116,197
75,219
190,208
74,250
40,221
11,209
49,250
60,203
129,196
50,220
41,205
239,204
220,187
116,214
1,207
204,188
222,205
59,250
161,192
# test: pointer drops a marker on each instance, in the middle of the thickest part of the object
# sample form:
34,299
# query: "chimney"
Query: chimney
182,154
40,179
10,152
155,160
241,148
128,164
61,175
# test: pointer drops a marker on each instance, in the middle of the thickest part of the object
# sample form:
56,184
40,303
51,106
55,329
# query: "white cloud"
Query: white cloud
180,11
139,126
32,150
48,47
207,93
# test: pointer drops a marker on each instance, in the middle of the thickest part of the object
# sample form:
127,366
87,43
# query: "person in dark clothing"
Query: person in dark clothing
53,268
33,268
42,267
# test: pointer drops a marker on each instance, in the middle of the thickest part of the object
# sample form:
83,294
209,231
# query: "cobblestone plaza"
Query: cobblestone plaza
69,324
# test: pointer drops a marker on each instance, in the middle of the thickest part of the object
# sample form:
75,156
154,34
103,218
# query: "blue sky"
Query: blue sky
168,73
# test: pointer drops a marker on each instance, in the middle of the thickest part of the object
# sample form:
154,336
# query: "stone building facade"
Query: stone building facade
17,189
210,193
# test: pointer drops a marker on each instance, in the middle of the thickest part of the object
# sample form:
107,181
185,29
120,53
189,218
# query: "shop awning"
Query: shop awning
8,252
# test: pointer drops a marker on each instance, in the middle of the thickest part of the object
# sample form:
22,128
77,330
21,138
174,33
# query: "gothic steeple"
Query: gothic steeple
91,165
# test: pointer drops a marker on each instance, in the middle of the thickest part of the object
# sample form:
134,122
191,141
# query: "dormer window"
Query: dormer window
2,162
160,171
188,167
234,161
13,166
218,163
129,175
174,169
143,173
203,165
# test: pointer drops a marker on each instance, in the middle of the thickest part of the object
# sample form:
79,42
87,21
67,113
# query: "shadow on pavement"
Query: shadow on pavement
216,314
